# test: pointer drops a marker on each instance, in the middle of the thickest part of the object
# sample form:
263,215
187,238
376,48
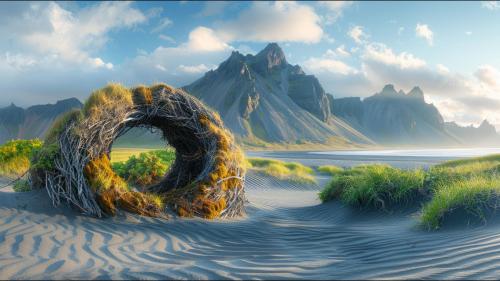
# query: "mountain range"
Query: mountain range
264,99
32,122
393,117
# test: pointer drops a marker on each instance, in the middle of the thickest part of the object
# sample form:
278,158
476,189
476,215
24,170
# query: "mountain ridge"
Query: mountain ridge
34,121
392,117
264,97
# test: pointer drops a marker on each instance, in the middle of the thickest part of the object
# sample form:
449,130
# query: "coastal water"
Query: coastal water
436,152
402,158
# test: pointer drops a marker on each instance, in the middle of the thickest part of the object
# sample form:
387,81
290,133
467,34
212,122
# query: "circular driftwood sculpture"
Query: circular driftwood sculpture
206,179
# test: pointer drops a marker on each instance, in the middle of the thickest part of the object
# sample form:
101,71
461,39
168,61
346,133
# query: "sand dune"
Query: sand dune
287,233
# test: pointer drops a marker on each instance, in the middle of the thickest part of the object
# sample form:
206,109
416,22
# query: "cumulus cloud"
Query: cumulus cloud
57,48
379,52
490,5
357,34
276,22
423,31
442,69
489,76
318,65
205,39
341,51
334,9
47,29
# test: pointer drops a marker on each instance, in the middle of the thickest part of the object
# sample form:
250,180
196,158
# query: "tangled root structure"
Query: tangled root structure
206,179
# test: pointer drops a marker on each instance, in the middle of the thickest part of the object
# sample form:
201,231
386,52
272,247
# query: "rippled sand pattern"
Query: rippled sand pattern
287,234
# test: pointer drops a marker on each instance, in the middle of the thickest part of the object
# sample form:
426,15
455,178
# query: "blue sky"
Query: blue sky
54,50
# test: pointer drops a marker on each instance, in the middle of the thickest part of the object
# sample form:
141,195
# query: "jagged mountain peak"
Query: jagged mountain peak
264,97
272,55
416,92
487,126
389,90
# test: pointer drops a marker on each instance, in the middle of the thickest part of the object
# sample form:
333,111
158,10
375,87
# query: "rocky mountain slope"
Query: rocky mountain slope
394,118
263,97
32,122
484,134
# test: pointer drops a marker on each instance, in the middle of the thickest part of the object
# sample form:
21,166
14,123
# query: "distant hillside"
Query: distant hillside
395,118
33,122
484,134
263,97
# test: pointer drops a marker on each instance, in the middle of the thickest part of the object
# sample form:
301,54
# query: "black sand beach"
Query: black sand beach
287,233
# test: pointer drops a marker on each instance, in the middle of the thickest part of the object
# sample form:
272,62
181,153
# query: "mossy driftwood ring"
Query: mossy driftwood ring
206,179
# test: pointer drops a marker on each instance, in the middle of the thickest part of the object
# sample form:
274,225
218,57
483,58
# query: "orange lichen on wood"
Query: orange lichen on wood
101,177
140,203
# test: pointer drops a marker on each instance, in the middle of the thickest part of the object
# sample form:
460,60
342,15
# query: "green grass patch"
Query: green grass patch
471,186
121,154
377,185
475,196
330,170
461,162
290,171
15,156
146,168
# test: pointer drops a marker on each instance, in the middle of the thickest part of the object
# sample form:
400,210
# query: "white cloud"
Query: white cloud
400,30
200,68
381,53
18,61
423,31
357,34
98,62
318,65
72,36
468,33
204,39
442,69
490,5
489,76
164,23
273,22
341,51
335,9
160,67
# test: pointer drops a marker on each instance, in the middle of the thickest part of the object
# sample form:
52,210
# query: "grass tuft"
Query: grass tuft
375,185
330,170
476,196
290,171
470,185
